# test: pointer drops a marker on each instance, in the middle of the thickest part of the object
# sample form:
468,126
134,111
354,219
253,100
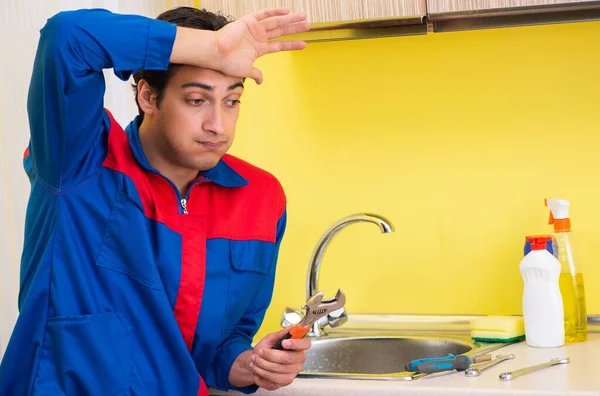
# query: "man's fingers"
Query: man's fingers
275,367
264,14
300,344
288,29
265,384
272,338
283,357
256,75
275,378
276,46
283,20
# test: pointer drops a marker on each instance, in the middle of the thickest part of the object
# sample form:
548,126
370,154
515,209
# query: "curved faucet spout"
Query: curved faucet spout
315,261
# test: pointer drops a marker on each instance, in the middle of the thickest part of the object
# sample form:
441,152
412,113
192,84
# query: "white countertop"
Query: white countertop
578,378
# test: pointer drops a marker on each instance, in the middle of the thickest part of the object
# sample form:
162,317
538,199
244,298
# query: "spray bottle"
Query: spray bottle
571,277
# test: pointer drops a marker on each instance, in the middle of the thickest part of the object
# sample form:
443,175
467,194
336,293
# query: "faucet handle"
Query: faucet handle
334,319
337,318
290,317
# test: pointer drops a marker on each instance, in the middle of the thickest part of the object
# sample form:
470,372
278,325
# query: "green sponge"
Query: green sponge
498,329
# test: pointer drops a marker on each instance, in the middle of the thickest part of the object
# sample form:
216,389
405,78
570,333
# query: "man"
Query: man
150,254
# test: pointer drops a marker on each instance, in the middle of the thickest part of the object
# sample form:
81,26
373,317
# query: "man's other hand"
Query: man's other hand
273,368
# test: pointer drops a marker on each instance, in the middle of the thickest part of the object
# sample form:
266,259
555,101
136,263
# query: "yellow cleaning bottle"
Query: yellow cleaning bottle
571,277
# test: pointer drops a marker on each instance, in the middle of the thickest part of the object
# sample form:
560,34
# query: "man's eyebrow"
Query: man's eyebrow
236,85
196,84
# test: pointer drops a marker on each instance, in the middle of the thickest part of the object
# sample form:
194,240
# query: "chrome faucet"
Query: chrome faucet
336,318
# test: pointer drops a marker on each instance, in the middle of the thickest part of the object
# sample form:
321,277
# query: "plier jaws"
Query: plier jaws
316,307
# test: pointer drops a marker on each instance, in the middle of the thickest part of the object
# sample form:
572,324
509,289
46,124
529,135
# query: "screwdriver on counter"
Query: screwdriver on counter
447,363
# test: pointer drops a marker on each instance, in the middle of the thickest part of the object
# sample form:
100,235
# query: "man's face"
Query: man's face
197,116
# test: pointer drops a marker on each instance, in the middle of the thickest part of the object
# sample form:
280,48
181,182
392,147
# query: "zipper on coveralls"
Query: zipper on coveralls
184,201
184,205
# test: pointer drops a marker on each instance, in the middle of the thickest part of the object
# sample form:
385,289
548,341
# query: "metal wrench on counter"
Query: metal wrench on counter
475,371
508,376
316,307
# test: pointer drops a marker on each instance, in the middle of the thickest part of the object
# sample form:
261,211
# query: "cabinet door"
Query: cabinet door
452,15
326,11
448,6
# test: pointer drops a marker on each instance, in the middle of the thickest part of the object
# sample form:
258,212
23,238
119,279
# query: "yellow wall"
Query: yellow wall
457,138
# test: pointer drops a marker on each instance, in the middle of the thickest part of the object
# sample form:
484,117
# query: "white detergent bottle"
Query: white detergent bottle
543,313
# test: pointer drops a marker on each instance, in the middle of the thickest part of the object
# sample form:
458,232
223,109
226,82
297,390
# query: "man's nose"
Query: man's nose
214,121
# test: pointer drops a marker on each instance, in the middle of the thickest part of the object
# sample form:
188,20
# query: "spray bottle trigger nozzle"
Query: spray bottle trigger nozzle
551,220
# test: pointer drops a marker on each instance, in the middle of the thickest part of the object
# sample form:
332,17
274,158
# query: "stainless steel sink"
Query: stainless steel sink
381,357
375,355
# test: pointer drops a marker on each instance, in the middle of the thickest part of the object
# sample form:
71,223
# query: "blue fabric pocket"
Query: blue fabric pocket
252,264
85,355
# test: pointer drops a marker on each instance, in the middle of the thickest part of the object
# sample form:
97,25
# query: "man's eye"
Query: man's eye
233,102
195,102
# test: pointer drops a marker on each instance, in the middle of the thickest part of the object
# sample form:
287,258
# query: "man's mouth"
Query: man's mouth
212,145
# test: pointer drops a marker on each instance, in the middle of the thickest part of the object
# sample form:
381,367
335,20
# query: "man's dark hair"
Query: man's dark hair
188,17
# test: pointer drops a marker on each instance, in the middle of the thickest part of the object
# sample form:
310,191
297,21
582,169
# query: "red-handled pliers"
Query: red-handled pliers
315,308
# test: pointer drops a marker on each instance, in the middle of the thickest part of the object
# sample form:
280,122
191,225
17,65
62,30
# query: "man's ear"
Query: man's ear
146,97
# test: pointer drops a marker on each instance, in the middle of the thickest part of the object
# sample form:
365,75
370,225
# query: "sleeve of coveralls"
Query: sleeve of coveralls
241,339
66,92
